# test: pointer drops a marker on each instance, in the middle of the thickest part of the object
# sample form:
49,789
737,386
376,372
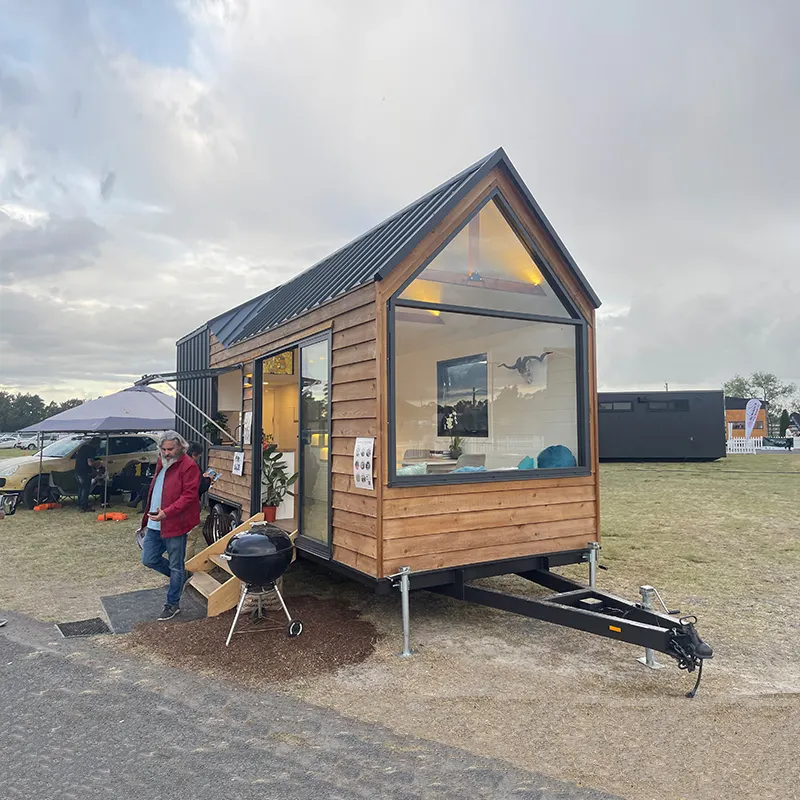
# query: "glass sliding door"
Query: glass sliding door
314,490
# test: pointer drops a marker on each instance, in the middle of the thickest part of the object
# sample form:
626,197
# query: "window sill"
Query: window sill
503,476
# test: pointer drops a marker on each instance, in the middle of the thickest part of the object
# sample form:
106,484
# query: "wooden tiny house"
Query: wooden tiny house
735,417
459,335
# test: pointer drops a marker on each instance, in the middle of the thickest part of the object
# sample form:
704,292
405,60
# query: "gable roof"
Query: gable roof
372,256
740,403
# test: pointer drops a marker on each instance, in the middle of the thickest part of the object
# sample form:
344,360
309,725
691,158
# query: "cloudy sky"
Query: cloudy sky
163,161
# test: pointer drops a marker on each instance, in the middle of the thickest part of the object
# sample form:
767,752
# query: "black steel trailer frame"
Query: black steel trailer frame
572,604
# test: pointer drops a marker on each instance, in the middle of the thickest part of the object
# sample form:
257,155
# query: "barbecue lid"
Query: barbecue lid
263,539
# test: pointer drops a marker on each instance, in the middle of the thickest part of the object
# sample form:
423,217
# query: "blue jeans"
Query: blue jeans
153,549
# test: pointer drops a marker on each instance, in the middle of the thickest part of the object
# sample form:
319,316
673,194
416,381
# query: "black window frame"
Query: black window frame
582,385
681,405
613,403
441,368
304,543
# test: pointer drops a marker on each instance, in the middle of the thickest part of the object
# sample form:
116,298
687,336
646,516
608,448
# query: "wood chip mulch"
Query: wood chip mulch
333,636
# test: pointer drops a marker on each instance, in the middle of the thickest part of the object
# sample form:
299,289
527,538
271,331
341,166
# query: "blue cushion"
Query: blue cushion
413,469
470,469
527,463
556,456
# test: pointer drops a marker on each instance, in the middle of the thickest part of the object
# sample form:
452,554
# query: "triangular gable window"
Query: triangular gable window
487,266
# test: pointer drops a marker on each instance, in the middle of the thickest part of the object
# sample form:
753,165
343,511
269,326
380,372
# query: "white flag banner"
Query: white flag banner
750,416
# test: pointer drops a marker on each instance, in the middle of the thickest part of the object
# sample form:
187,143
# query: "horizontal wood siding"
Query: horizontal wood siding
231,487
351,320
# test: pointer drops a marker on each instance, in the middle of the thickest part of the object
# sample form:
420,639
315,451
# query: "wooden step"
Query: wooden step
219,561
204,583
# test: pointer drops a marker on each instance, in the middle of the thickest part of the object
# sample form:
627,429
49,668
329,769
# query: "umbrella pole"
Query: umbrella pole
39,486
105,478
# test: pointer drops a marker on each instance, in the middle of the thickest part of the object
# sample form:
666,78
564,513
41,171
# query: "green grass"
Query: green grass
721,540
58,563
14,452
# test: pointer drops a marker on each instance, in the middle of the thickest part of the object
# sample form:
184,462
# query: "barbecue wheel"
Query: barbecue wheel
294,628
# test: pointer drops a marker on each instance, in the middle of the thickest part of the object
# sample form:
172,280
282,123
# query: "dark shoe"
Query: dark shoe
169,612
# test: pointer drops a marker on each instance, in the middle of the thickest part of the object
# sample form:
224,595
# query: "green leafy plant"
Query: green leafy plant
212,431
275,480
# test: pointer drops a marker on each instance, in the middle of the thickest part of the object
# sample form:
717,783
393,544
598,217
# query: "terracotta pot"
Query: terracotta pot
269,513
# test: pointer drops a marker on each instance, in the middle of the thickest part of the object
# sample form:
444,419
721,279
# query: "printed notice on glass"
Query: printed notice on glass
238,464
362,463
248,426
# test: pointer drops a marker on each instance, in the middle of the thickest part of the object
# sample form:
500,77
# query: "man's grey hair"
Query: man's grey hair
173,436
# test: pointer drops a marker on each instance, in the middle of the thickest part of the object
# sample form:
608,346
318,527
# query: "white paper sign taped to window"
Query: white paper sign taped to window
238,464
362,463
248,426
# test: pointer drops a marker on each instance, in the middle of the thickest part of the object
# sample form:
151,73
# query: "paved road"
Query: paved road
80,720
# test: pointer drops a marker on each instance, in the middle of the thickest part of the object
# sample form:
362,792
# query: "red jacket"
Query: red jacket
180,500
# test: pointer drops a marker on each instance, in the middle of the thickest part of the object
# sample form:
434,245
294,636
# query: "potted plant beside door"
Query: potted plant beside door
275,481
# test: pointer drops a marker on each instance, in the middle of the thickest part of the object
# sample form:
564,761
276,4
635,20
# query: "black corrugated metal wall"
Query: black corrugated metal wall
194,353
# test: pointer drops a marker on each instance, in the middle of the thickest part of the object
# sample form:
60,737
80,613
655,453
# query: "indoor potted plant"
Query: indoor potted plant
450,422
275,481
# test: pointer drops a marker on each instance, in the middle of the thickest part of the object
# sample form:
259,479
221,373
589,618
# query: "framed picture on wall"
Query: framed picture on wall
462,389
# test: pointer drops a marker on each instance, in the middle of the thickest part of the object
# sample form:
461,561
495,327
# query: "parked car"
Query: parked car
21,475
8,442
27,443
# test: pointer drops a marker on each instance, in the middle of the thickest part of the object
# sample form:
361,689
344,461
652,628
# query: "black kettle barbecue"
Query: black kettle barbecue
258,557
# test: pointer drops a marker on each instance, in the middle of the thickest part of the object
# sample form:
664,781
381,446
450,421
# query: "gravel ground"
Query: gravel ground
79,721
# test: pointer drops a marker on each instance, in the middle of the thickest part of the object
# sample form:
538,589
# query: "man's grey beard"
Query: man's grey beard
168,462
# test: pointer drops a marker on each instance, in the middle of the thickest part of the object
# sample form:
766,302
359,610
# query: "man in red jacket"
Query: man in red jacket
174,509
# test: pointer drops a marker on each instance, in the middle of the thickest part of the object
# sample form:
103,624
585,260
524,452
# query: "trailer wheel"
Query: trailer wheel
233,518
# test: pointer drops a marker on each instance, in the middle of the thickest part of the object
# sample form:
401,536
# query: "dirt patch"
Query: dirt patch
334,636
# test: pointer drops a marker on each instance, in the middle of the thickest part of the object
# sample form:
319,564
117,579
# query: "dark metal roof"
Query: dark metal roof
740,403
370,257
227,327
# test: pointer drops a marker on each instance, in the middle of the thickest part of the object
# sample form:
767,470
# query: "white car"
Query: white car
27,443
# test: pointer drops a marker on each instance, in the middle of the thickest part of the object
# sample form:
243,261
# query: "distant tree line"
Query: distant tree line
17,411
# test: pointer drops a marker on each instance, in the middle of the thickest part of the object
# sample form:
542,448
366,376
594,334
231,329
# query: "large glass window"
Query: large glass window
497,386
486,266
530,403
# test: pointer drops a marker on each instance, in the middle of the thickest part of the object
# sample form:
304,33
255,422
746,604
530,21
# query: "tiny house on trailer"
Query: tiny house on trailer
433,383
459,335
661,426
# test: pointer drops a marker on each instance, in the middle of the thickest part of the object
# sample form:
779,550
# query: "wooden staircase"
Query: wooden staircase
221,596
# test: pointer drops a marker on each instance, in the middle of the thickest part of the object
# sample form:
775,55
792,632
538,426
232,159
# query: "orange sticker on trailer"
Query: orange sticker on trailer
615,629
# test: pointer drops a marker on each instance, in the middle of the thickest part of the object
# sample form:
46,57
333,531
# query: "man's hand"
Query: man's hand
158,515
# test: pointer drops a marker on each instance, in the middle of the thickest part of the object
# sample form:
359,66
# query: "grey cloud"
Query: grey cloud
60,245
660,141
700,341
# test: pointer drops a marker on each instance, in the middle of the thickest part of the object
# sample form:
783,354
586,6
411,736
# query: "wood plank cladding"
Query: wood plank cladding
491,552
526,497
229,486
354,380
